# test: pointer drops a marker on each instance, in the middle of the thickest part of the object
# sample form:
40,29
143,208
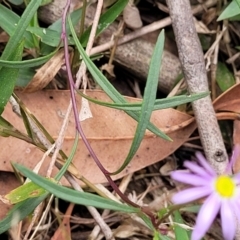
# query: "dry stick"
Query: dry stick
149,28
192,60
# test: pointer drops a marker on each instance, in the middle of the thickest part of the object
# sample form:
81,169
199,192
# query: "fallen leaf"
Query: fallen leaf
8,182
229,100
236,142
110,133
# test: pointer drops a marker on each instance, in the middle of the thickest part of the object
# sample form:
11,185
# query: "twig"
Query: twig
192,60
148,29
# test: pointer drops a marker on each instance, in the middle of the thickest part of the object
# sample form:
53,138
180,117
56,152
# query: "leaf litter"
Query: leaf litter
110,132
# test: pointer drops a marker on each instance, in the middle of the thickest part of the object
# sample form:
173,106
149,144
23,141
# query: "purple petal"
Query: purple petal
193,167
205,217
232,161
228,221
203,162
237,178
191,194
235,205
189,178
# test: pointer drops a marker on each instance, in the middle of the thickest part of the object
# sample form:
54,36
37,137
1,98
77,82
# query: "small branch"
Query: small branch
149,28
192,60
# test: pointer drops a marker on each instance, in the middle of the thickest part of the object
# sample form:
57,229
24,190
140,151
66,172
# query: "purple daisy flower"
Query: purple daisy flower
221,193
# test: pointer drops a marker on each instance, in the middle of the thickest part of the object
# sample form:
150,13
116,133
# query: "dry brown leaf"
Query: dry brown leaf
229,100
46,73
236,142
110,133
8,182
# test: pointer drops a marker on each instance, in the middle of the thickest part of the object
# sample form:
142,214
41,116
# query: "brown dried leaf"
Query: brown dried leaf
8,182
110,133
236,141
46,73
229,100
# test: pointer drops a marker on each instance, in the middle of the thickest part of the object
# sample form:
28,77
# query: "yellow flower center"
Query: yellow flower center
225,186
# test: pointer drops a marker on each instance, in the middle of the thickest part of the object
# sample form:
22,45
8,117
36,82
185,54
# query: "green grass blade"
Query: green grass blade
159,103
8,22
48,36
107,86
149,98
74,196
105,20
8,78
20,29
27,63
232,10
180,233
20,211
69,160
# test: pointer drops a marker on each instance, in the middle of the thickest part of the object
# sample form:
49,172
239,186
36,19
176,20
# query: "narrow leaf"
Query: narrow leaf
180,233
28,190
9,78
230,11
20,211
224,77
159,103
20,29
148,100
26,63
107,86
48,36
8,22
74,196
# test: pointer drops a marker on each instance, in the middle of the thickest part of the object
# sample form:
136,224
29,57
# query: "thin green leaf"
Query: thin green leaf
20,211
9,78
20,29
159,103
28,190
8,22
180,233
158,236
230,11
16,2
107,86
149,98
105,20
238,3
27,63
25,76
69,160
48,36
224,77
74,196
